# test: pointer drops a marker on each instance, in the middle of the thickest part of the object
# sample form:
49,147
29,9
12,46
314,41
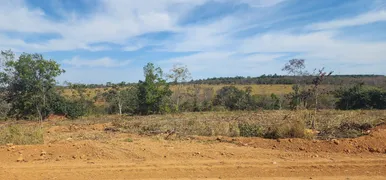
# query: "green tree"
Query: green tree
295,67
234,99
121,100
29,82
153,93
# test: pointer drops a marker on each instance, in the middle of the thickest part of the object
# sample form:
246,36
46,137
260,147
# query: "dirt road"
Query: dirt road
115,157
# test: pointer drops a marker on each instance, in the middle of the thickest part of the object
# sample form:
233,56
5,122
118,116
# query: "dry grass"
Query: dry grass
21,134
269,124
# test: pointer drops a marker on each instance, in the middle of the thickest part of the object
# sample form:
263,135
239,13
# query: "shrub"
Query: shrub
360,97
250,130
294,129
233,98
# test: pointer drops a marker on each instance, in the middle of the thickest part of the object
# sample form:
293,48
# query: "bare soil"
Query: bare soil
89,152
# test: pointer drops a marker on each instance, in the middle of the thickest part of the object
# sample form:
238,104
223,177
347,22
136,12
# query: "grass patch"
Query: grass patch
128,140
21,134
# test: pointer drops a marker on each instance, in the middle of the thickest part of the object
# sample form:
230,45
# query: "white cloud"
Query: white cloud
366,18
262,3
133,47
317,46
102,62
219,51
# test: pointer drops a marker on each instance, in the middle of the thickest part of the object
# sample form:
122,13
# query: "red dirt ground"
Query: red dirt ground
87,152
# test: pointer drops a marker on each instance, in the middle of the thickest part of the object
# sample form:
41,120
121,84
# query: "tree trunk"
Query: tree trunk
316,109
120,107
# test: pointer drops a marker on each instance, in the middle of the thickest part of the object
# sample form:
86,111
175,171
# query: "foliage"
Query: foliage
360,97
121,100
72,109
250,130
234,99
29,81
153,92
296,68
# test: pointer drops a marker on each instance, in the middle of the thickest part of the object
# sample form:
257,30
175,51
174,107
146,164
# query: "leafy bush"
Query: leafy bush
70,108
250,130
234,99
360,97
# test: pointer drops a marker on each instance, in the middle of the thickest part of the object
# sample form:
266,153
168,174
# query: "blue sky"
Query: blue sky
97,41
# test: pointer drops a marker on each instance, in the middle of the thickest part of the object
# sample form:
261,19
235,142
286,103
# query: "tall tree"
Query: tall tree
153,92
319,78
295,67
29,81
179,75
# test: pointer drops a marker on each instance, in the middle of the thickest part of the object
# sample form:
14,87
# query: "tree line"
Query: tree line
29,91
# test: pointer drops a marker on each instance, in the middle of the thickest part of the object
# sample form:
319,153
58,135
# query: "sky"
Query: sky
99,41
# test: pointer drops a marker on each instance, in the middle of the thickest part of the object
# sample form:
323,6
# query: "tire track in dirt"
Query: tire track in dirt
198,169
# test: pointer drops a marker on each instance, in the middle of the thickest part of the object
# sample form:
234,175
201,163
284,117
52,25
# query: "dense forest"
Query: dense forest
29,90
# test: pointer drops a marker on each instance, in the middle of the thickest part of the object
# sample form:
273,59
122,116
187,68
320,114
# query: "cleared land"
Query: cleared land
85,149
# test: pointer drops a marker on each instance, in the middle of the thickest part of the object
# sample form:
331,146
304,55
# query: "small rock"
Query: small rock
274,162
347,150
302,148
11,148
374,150
9,144
43,153
315,156
57,159
245,144
74,157
278,140
69,139
222,154
20,159
314,141
290,140
335,141
196,153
